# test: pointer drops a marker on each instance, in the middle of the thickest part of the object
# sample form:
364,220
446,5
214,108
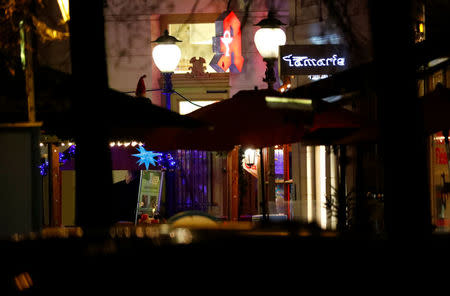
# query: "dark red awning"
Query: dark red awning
245,119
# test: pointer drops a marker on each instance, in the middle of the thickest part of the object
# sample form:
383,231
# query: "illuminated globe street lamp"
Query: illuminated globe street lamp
267,40
166,55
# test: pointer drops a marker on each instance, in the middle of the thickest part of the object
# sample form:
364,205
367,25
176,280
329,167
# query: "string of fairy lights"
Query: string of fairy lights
162,160
440,140
111,144
125,144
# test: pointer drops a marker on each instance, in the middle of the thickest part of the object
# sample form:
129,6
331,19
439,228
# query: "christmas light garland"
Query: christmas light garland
163,160
43,168
167,161
68,154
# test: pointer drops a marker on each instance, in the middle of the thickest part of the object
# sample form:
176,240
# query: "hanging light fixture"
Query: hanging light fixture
249,157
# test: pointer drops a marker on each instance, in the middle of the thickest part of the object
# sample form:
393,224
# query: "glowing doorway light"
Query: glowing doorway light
250,157
64,8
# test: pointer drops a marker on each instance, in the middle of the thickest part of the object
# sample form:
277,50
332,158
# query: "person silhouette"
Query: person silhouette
125,196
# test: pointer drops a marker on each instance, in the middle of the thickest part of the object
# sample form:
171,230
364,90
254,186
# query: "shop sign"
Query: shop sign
227,44
312,59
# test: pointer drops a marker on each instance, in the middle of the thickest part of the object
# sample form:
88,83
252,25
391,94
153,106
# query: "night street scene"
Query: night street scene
224,146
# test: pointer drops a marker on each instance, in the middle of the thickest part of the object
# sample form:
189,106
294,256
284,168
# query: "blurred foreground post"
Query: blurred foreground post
407,209
93,157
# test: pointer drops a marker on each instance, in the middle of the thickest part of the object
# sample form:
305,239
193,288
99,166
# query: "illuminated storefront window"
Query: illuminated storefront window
437,77
440,182
197,42
419,28
318,196
282,156
280,198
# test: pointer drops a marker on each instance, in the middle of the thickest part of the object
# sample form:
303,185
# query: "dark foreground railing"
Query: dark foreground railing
160,258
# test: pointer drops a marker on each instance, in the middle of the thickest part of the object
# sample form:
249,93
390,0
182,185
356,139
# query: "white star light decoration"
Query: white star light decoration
146,157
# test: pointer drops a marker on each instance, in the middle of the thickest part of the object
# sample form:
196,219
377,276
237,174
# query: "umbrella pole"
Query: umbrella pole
447,148
342,198
263,195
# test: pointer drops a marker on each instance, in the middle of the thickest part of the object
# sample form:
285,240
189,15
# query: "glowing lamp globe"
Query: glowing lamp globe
269,37
166,54
267,41
166,57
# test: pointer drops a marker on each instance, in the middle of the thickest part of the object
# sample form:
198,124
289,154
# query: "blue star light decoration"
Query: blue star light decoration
146,157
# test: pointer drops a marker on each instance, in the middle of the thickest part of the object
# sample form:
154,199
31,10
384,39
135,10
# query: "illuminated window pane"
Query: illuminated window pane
420,24
436,78
421,87
196,42
279,164
187,107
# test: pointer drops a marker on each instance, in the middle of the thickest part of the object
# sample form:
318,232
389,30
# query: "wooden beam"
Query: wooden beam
55,183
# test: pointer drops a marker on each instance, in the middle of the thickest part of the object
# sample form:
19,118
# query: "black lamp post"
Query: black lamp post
166,55
267,40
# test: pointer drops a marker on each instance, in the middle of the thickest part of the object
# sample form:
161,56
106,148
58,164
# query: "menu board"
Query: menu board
150,189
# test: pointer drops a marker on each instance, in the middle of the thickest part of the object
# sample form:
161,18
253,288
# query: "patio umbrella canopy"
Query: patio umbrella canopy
122,117
345,82
436,108
369,134
134,116
332,125
340,126
245,119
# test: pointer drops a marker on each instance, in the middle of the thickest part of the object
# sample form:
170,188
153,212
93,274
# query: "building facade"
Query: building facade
299,177
305,176
130,26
